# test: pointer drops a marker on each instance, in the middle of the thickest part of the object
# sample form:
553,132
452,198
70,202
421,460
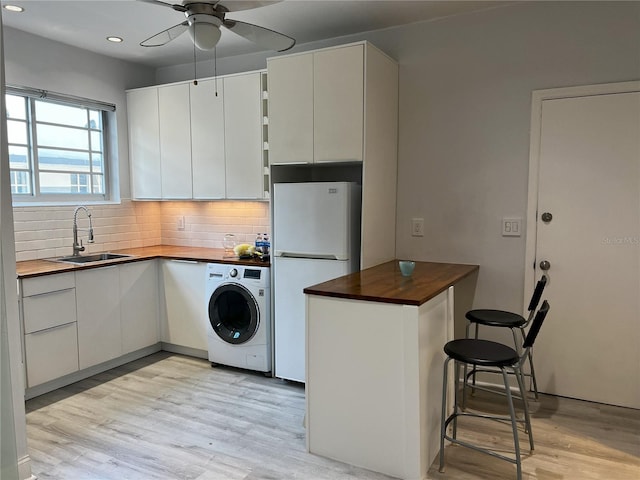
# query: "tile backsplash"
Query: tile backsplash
43,232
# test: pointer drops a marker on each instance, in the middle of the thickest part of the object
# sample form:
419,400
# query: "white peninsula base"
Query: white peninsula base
374,381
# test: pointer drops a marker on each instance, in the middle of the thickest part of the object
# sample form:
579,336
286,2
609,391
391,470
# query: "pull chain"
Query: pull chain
215,67
195,66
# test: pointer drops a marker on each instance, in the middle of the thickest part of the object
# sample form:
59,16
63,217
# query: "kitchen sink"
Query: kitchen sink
85,259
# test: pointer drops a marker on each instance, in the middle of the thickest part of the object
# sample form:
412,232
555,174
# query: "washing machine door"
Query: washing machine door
233,313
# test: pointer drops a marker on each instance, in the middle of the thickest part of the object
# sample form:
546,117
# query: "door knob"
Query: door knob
544,265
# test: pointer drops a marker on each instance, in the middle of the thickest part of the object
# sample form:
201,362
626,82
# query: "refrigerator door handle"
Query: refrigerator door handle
307,255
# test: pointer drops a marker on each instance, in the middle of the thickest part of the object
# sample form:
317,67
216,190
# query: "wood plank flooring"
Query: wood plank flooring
174,417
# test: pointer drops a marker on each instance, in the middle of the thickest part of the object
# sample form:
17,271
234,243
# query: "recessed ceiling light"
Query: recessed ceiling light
14,8
115,39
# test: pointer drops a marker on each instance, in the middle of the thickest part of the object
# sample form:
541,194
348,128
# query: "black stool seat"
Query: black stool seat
503,319
496,318
481,352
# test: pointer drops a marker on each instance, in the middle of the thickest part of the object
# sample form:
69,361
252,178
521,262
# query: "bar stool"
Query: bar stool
512,321
478,352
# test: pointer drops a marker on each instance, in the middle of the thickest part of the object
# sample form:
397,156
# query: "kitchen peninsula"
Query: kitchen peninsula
374,346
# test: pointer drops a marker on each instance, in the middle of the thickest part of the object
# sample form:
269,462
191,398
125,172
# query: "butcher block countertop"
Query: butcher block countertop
384,283
34,268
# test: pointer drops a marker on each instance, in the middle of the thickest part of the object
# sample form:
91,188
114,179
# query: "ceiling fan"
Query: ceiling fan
204,19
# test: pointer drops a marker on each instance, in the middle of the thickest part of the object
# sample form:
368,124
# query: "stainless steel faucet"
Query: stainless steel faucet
78,247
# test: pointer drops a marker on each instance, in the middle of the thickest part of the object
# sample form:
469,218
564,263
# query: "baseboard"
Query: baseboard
191,352
24,468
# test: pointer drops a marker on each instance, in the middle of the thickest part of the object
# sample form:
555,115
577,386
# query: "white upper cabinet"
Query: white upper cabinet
207,139
175,141
290,86
243,136
186,142
338,104
144,143
316,106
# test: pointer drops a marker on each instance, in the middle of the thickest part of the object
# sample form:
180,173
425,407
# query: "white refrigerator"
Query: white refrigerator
316,237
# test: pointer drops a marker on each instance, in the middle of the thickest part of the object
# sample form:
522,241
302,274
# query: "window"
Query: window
57,146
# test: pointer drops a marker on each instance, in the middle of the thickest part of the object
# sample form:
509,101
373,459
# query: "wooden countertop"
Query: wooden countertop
34,268
384,283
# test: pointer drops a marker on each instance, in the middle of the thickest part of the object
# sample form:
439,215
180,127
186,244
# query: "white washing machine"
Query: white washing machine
239,326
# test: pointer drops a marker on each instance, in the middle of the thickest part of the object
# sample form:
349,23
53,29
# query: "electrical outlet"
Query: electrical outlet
180,222
511,227
417,227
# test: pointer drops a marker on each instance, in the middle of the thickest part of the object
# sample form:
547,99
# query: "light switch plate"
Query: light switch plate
511,226
417,227
180,222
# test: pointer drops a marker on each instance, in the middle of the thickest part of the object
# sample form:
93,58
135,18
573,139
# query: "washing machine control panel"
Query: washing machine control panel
233,273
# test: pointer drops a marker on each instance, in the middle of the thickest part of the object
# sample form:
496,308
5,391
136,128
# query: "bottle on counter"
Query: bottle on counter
266,245
259,243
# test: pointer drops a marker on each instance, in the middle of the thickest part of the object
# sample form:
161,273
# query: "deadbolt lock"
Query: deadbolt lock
546,217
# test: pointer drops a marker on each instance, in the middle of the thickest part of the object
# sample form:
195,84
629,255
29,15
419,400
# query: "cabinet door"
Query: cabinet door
144,143
243,136
338,104
51,353
290,88
98,307
185,304
175,140
207,139
139,305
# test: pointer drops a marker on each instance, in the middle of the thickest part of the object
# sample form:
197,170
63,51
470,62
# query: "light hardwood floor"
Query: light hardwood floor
174,417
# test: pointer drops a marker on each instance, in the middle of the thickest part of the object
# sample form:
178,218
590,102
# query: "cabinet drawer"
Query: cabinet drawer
47,283
51,353
50,309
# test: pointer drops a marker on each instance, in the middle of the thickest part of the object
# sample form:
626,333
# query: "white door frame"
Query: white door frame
537,97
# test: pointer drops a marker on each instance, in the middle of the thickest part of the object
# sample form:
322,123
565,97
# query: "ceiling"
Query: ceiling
87,23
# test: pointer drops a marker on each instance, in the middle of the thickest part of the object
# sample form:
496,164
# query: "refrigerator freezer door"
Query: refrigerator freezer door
313,219
291,276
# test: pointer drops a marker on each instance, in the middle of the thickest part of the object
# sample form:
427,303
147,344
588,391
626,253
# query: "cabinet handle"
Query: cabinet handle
49,293
183,261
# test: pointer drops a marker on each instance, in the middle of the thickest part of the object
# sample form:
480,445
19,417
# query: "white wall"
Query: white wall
36,62
465,105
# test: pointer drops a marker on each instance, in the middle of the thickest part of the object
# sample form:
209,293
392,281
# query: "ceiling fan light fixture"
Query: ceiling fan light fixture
205,33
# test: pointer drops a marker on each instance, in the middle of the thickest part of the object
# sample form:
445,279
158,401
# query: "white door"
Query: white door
243,136
338,104
291,277
313,219
144,143
589,182
175,141
207,138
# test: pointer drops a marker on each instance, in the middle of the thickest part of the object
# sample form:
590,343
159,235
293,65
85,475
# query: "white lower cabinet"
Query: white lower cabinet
98,307
76,320
184,322
139,301
49,322
51,353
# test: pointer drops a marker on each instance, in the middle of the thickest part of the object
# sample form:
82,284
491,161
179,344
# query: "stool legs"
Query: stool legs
514,425
443,417
445,420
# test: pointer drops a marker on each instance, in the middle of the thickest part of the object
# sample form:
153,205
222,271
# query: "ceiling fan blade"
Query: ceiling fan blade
237,5
175,6
260,35
165,36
